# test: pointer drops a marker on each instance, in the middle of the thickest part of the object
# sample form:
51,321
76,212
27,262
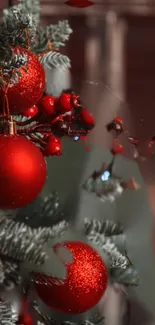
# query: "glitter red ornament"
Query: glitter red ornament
29,88
85,284
22,171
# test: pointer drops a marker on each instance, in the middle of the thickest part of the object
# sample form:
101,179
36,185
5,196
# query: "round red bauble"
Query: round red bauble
22,171
63,103
84,286
31,112
30,86
46,105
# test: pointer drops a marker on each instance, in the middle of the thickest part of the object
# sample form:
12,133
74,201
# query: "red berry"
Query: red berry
63,103
118,120
32,111
52,148
53,138
47,105
117,148
86,118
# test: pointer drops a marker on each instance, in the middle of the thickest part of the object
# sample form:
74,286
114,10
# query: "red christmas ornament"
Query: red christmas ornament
84,286
46,105
79,3
31,112
30,86
22,171
63,103
86,118
53,147
117,148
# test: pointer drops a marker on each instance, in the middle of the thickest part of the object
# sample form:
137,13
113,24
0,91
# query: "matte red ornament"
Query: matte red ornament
52,148
31,112
30,86
117,148
79,3
86,117
22,171
46,105
63,103
85,284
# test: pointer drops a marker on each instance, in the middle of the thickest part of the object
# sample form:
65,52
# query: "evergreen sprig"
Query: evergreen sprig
56,34
55,60
8,316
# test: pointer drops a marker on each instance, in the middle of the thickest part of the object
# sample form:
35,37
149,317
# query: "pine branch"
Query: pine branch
57,35
8,316
95,320
21,243
55,60
33,7
108,227
10,63
128,277
9,273
109,248
42,212
12,28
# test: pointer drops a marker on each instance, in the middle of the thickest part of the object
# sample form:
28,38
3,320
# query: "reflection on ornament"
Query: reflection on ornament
85,284
79,3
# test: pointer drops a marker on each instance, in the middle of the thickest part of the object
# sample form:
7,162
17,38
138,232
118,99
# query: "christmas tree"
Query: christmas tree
43,279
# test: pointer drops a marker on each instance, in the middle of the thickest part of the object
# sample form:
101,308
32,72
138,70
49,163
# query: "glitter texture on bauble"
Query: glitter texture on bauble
84,285
29,88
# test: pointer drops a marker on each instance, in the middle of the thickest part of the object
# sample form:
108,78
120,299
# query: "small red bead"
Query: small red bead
118,120
53,138
32,111
63,103
52,148
117,148
86,117
47,105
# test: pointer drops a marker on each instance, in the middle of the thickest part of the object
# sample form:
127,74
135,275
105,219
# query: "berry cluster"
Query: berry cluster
54,118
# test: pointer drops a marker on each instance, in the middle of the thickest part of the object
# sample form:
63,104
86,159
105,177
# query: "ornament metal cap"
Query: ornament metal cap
9,126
